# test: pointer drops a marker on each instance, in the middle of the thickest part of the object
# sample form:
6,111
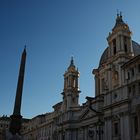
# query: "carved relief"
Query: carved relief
115,76
104,81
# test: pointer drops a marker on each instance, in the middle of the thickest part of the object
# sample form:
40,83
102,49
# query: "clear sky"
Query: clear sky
55,30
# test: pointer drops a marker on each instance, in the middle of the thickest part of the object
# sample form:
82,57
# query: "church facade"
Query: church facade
114,112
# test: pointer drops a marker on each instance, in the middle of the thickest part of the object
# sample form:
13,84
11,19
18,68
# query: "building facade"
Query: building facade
114,112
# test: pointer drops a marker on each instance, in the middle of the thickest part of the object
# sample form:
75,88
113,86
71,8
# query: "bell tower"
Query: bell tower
71,87
119,39
109,75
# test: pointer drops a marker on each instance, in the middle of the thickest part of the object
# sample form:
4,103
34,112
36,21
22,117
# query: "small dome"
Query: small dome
105,56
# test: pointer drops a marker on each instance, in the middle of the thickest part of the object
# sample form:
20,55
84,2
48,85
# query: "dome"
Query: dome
135,48
105,56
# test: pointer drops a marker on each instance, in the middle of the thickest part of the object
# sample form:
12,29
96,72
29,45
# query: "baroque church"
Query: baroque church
114,112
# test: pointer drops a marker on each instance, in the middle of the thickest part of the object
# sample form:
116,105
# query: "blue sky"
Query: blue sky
55,30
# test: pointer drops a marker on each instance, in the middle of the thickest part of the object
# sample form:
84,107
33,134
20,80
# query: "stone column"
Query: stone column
119,75
122,43
138,124
97,84
68,135
117,44
65,83
126,127
86,133
74,134
76,84
105,131
109,129
101,85
110,78
122,128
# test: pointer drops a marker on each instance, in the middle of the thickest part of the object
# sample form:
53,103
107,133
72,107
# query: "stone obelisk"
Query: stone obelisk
16,117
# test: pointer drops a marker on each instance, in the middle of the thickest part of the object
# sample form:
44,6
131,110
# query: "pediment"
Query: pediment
88,113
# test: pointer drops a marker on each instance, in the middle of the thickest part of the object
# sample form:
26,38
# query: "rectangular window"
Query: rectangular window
116,129
129,90
132,72
125,39
133,89
139,68
125,48
114,46
128,76
136,125
139,88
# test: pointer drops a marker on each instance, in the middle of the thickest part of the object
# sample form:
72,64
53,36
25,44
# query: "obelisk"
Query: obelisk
16,117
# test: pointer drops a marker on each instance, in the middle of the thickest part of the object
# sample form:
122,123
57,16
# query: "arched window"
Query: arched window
125,43
103,84
116,129
74,82
114,46
136,125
